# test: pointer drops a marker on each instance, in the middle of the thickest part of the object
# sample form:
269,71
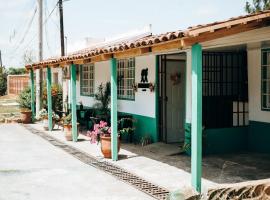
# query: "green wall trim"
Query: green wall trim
225,140
259,137
144,126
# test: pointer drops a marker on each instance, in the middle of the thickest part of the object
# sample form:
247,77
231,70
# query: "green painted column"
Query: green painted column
32,83
196,122
73,103
49,97
114,132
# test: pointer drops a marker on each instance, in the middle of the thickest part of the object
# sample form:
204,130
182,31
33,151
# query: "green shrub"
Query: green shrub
24,99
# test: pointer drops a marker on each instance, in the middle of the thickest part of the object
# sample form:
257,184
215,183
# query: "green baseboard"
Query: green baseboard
144,126
226,140
259,137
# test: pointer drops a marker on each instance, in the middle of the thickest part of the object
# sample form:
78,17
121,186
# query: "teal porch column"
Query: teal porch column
73,103
32,83
196,122
114,133
49,97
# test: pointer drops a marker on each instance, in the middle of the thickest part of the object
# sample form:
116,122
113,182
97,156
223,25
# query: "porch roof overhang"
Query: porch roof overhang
177,40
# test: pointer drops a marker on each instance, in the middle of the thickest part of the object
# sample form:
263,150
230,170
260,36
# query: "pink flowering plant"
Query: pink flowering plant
101,129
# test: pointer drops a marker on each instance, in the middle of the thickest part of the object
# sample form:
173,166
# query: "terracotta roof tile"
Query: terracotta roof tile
156,39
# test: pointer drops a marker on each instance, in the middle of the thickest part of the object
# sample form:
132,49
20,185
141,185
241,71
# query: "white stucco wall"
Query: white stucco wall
254,84
144,103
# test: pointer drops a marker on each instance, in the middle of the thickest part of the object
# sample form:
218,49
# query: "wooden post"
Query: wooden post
114,132
49,97
32,85
74,103
196,125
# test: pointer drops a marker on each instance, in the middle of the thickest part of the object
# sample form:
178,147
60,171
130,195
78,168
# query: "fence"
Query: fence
16,83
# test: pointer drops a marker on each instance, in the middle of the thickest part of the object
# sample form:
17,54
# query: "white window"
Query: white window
265,94
87,80
126,78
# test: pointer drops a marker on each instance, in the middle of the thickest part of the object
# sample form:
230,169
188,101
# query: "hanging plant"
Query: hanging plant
151,87
176,78
135,87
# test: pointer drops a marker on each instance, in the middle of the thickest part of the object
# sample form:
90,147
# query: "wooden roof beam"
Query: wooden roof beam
189,41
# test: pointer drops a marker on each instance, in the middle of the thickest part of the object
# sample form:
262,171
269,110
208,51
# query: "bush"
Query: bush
3,81
24,99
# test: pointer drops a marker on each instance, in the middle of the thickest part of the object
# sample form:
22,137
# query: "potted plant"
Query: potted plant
67,123
43,115
126,129
102,134
102,98
82,111
24,100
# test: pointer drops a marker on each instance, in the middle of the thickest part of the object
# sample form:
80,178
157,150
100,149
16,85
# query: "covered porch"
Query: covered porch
193,43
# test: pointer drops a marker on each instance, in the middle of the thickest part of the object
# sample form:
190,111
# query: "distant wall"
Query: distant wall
16,83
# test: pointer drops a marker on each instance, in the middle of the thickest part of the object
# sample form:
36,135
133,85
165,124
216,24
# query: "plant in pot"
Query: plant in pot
24,100
102,98
43,115
82,111
102,134
67,123
126,129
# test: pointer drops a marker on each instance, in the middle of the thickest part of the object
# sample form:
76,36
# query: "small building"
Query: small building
210,82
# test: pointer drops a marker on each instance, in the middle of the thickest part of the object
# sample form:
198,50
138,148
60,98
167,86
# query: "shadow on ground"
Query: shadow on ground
223,168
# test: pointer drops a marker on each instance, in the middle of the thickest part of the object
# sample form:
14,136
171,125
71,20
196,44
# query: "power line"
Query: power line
35,35
28,27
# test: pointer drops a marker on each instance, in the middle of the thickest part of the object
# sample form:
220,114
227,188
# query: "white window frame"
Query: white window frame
126,79
87,79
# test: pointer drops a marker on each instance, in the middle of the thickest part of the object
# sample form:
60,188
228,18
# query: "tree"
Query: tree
257,6
3,81
16,71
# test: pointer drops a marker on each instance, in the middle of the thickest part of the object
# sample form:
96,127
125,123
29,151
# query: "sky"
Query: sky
99,19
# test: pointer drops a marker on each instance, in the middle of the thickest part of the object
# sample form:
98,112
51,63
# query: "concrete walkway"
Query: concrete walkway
154,171
31,168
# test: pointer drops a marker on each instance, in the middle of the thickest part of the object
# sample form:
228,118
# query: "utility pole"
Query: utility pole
62,40
39,73
62,37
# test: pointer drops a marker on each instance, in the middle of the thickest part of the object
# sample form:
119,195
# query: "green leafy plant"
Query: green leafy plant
67,119
24,99
257,6
43,114
103,98
3,81
57,97
146,140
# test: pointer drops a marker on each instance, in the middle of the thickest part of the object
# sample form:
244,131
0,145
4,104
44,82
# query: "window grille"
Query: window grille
225,89
87,80
126,78
265,80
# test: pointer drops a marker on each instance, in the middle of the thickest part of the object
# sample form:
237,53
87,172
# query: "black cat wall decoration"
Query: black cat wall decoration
144,75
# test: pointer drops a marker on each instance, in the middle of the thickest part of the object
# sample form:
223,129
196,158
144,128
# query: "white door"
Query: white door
175,92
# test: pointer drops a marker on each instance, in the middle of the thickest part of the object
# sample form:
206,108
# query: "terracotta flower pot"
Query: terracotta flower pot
46,124
68,131
106,146
26,116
